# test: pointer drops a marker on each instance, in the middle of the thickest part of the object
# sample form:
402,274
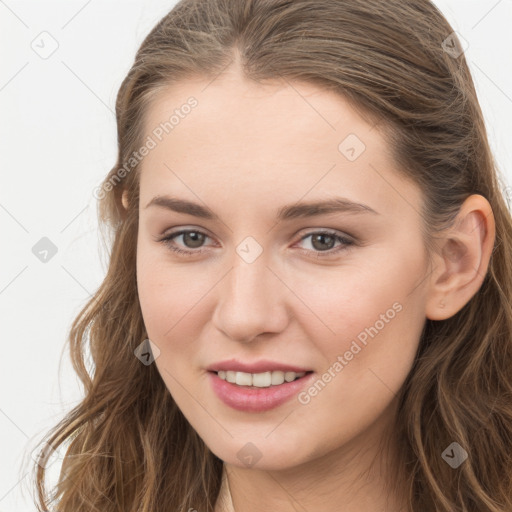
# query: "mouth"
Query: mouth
258,392
260,380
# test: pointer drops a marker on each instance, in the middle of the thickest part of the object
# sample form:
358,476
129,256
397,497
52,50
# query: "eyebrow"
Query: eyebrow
287,212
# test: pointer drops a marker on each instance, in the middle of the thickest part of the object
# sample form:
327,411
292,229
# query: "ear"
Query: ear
124,199
462,259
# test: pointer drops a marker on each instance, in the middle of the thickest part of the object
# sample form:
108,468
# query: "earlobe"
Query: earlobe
462,260
124,199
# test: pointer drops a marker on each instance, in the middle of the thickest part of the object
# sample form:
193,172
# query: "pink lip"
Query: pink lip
252,399
256,367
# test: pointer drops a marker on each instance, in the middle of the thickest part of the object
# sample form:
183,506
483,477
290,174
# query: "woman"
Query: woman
308,300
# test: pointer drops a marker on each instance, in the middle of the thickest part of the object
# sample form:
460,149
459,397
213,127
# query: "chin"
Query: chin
259,455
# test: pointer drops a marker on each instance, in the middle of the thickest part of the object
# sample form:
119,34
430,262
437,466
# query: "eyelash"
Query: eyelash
347,243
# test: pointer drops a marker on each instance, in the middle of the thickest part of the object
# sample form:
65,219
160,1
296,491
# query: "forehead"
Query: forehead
233,104
276,140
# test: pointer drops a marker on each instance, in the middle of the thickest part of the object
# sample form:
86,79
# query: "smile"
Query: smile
260,380
257,392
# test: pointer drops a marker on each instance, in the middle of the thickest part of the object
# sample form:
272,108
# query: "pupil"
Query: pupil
322,237
197,238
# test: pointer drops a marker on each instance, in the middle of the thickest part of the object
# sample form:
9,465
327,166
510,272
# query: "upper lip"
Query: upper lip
255,367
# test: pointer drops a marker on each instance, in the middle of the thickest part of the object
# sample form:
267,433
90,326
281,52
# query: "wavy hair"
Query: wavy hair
128,446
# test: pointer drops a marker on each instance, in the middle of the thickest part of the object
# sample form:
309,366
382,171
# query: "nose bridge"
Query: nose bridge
250,300
250,280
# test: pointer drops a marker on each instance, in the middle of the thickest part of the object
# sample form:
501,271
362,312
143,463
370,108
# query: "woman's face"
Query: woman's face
268,282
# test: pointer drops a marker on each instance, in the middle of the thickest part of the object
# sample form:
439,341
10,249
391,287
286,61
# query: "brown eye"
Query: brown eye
193,239
322,242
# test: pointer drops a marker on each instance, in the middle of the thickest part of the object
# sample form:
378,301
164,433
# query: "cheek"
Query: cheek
167,293
371,316
366,366
167,304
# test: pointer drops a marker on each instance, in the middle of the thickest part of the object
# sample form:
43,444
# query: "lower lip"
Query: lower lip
253,399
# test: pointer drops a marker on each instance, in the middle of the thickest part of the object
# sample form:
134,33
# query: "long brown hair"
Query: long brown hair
400,65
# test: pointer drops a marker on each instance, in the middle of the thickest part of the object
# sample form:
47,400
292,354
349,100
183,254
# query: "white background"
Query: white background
57,142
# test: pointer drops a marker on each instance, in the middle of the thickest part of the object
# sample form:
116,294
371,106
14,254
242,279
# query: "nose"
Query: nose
251,301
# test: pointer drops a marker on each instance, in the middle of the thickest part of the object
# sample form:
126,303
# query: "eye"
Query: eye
193,239
322,243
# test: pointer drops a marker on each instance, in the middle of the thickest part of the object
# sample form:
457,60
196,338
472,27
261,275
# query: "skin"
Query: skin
243,152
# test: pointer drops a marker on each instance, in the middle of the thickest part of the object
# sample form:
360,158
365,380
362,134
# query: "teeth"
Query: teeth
259,380
243,379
